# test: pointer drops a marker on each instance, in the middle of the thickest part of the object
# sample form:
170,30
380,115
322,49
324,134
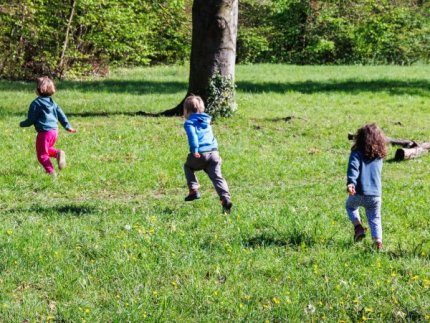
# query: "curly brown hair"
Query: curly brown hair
370,141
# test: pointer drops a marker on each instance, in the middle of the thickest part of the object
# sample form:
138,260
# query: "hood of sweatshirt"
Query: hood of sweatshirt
200,120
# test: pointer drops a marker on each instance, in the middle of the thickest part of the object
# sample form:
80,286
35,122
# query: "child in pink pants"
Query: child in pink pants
44,114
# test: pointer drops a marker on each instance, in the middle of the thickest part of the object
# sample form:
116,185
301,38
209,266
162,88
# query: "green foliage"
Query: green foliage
124,33
221,96
113,241
334,32
108,33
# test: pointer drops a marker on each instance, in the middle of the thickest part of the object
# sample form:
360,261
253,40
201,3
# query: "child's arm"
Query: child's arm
193,140
353,172
63,120
31,117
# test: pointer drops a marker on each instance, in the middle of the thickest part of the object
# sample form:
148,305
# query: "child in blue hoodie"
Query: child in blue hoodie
364,181
44,114
203,152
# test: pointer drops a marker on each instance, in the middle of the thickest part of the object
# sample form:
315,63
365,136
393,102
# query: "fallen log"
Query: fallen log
406,143
410,153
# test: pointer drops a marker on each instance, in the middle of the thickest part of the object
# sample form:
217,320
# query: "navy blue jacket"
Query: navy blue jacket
44,114
365,174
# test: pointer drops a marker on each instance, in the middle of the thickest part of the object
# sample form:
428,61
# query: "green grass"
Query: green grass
112,239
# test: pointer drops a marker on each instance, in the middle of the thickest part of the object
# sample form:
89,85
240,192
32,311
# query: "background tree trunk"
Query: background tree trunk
213,48
66,40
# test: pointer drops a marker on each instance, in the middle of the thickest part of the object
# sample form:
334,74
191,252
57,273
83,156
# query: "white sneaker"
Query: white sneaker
61,159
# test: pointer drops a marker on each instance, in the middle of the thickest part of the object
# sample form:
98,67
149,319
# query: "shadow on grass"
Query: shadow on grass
111,114
140,87
295,238
394,87
416,250
104,86
67,209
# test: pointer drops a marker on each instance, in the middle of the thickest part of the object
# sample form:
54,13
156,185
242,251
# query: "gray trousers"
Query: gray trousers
209,162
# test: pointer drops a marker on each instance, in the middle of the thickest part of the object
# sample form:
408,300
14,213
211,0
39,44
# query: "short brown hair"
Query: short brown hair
45,86
193,104
370,141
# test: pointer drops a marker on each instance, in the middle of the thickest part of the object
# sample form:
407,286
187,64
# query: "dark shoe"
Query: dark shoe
359,232
226,204
193,195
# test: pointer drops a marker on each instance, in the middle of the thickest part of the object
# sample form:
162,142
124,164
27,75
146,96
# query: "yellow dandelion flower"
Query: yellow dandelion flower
87,310
368,309
9,232
276,300
241,305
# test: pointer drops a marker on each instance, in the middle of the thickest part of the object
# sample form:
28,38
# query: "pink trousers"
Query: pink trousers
45,142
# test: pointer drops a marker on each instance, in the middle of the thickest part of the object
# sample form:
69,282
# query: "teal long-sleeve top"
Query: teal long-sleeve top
365,174
45,114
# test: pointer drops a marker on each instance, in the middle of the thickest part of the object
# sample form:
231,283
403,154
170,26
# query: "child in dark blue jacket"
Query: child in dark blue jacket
364,181
203,152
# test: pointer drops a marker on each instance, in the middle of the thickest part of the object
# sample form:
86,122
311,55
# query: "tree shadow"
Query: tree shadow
394,87
93,114
137,87
140,87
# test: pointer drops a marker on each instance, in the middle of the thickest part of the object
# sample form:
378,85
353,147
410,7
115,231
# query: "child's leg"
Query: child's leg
213,169
373,213
192,165
44,149
352,204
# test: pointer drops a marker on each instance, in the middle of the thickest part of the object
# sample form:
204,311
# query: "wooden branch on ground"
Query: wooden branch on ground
410,149
410,153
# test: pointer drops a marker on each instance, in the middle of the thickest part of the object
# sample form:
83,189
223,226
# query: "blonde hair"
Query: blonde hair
45,86
193,104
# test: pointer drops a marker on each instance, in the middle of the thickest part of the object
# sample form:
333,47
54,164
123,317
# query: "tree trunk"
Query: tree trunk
66,39
410,153
213,47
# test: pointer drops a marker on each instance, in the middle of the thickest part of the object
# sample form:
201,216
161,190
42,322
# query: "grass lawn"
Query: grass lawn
111,240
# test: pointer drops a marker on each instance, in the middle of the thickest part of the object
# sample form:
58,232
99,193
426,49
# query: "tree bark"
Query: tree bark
213,47
66,39
410,153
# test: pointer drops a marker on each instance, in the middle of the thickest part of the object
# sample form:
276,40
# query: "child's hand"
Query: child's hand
197,155
71,130
350,189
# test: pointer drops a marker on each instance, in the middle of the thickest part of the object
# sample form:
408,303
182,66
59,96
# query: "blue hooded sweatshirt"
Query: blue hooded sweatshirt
365,174
44,114
199,133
